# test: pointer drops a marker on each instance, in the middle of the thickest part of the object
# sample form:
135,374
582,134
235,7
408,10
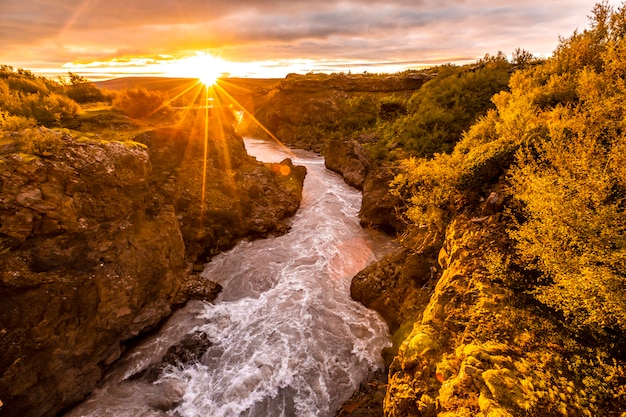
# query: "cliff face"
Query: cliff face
302,110
228,198
438,307
439,365
466,344
349,159
380,209
89,259
97,242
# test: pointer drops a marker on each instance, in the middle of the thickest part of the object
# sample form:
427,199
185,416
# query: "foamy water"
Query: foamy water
286,338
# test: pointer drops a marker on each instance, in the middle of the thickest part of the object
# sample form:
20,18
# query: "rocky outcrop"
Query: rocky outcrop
380,209
418,374
225,198
305,110
398,286
428,299
367,400
348,159
96,244
468,344
89,259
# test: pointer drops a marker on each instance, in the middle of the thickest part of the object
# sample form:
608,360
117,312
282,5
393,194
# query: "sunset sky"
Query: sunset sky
270,38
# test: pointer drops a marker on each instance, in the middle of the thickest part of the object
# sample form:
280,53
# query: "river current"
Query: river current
284,336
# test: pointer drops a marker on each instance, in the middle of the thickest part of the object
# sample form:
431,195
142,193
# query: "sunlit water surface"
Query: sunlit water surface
286,338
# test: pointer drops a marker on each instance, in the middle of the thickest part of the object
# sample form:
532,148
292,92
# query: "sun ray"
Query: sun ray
78,11
214,115
214,99
254,119
170,100
206,152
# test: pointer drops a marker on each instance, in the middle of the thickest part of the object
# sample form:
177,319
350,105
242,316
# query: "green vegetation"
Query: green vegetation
438,113
549,135
26,95
555,146
141,103
82,90
413,113
38,114
558,134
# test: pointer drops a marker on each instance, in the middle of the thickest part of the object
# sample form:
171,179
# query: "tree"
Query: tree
82,90
570,182
522,57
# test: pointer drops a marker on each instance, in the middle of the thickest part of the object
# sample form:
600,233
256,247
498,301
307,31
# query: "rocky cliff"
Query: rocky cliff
335,115
303,110
468,344
229,197
349,159
97,241
379,208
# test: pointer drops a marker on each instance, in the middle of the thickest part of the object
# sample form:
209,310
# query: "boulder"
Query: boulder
398,286
348,159
380,208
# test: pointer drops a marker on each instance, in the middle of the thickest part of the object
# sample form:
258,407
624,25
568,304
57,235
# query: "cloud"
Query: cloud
52,32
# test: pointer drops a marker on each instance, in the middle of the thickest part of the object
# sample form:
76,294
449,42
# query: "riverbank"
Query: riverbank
99,242
283,337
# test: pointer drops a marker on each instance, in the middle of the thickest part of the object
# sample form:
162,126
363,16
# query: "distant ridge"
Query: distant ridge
170,83
244,91
152,83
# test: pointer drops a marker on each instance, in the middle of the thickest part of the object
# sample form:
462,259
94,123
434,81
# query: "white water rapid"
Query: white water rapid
284,338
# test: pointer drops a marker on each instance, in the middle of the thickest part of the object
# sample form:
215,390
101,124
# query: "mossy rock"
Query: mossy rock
418,345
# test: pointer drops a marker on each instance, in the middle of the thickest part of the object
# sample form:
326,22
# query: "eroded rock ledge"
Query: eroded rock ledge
97,243
428,299
467,343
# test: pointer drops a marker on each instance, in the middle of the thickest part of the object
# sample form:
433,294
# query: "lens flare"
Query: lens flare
209,78
205,67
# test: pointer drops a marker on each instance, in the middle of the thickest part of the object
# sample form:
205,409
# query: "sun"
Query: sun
208,78
205,67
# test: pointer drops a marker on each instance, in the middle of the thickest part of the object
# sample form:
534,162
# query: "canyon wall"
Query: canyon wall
99,241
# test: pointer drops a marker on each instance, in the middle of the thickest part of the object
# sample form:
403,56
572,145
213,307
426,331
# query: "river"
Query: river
284,338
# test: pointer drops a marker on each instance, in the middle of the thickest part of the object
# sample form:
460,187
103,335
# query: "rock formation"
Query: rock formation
379,208
429,299
90,259
466,343
348,159
302,110
97,240
237,197
425,378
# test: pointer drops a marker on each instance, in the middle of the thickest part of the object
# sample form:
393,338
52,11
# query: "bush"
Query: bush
82,90
39,141
429,189
140,103
569,182
439,113
22,94
575,230
50,110
560,135
10,123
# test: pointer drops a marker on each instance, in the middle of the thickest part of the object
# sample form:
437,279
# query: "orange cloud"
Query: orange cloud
328,33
